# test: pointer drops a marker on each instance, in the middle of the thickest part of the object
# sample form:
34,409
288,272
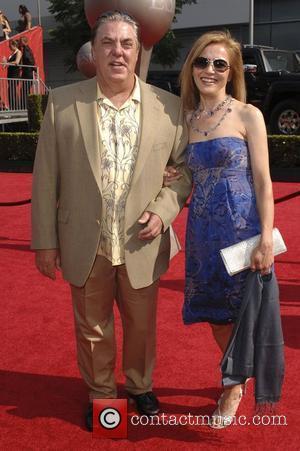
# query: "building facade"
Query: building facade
276,23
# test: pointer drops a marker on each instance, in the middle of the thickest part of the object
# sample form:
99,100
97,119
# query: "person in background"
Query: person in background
25,22
232,197
13,73
28,68
3,107
5,27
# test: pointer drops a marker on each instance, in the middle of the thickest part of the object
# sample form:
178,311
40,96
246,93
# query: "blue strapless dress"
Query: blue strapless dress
222,212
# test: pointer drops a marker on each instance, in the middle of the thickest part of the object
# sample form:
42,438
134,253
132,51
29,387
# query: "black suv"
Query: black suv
273,84
167,80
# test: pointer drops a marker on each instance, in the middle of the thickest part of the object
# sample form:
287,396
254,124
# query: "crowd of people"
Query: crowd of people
20,63
24,23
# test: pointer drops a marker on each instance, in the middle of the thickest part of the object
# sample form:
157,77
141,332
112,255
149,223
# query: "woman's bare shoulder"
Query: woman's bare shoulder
250,112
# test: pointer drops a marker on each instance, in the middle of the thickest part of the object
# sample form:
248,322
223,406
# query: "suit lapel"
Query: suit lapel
150,113
87,112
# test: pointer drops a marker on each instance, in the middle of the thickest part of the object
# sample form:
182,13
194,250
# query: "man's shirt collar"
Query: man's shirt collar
135,95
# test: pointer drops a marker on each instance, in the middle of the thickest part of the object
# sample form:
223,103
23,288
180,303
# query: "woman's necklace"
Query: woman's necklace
197,114
199,111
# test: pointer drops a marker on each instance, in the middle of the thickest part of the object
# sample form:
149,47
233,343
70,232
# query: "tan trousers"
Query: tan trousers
95,334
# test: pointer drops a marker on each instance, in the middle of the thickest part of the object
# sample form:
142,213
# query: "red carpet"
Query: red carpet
42,395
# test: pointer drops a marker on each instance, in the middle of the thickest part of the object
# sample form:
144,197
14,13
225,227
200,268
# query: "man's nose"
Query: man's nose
117,48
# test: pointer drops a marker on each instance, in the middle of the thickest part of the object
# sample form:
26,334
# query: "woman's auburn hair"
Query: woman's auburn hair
236,87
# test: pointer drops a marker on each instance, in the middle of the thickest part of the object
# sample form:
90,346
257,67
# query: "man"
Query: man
28,68
99,210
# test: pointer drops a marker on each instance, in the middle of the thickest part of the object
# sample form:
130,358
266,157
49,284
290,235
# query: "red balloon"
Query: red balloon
154,16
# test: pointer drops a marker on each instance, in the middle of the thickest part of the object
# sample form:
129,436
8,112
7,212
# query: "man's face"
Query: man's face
115,52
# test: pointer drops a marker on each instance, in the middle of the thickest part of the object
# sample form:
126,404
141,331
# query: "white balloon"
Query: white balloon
85,62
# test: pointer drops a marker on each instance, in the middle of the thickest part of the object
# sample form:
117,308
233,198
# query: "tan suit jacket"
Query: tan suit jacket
66,198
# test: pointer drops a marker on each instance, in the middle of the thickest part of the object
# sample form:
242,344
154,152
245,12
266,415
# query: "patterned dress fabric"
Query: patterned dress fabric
222,212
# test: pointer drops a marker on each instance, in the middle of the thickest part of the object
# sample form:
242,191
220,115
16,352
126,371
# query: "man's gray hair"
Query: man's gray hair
115,16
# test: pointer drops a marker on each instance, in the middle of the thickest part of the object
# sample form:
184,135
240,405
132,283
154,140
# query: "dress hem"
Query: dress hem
224,322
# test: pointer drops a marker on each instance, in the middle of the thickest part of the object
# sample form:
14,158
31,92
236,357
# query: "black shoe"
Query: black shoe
146,403
89,418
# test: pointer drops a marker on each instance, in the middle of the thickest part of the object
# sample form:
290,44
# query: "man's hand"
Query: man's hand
47,262
153,228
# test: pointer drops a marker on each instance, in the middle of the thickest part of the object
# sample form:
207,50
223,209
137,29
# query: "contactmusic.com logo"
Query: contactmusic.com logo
110,418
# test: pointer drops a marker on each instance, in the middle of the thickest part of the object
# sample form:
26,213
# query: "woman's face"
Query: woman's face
209,80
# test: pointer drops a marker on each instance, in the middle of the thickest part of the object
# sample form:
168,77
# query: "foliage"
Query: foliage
36,106
18,146
284,150
72,30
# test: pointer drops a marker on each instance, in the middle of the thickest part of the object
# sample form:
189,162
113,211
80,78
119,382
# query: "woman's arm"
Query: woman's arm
18,57
28,21
6,27
262,257
172,174
17,60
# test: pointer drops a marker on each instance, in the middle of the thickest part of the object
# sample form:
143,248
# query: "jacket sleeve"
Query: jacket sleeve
171,200
45,186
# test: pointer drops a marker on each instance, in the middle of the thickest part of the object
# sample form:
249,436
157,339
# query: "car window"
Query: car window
277,60
249,59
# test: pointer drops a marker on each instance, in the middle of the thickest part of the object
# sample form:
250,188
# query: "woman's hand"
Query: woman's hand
171,174
262,258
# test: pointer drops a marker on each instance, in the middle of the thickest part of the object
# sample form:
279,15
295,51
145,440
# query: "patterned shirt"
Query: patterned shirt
118,129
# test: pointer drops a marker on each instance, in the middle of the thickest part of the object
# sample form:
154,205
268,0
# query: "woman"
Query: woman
232,198
13,73
25,21
5,26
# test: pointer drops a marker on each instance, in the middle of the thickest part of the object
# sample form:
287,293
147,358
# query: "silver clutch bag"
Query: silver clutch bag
236,258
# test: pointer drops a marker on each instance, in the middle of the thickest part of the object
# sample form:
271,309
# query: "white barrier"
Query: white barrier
14,93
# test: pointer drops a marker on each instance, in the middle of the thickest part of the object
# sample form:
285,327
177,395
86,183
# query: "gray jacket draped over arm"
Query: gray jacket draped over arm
256,345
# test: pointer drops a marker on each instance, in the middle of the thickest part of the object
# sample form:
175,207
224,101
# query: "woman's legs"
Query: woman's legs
232,394
222,334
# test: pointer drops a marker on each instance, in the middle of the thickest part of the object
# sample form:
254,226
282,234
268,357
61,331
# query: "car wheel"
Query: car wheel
285,118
